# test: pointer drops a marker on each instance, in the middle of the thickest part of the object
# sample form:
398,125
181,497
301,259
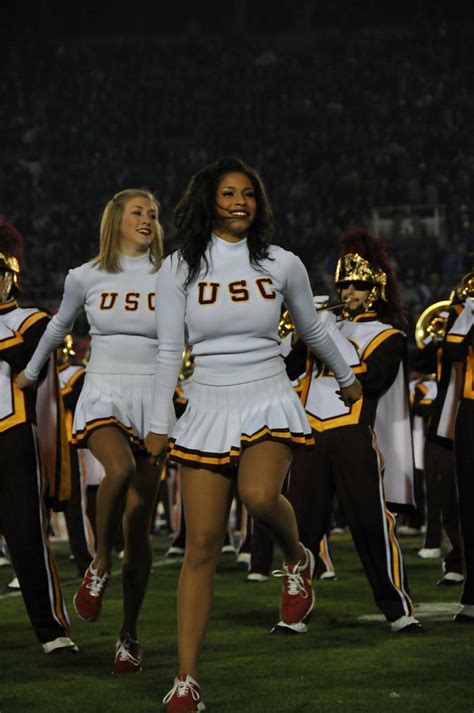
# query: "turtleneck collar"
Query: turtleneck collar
138,262
217,241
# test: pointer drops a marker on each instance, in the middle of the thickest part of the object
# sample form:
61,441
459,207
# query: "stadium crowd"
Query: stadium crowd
339,123
352,132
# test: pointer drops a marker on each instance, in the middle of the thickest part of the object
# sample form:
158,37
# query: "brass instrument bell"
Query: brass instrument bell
432,322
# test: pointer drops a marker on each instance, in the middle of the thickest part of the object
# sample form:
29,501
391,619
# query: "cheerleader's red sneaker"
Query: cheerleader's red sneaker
297,597
128,656
88,598
185,696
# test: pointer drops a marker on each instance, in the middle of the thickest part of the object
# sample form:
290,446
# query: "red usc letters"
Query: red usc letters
131,300
238,290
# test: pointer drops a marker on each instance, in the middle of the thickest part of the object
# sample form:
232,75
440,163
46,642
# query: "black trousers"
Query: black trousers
345,462
23,521
258,542
81,536
442,503
464,458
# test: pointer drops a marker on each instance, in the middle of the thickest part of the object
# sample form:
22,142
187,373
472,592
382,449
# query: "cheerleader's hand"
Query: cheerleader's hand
350,394
23,382
157,446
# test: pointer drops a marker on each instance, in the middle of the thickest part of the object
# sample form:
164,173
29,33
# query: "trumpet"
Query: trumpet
285,325
330,306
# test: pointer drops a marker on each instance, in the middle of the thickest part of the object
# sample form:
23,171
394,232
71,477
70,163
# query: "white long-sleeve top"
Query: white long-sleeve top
120,310
232,312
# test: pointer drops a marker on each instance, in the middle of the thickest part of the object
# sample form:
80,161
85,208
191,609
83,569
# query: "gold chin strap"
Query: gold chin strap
8,282
11,263
352,267
374,295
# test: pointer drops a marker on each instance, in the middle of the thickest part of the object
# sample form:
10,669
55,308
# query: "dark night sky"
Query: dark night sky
66,17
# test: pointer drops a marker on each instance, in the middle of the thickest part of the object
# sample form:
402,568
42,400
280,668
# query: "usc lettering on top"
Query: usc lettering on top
238,290
129,302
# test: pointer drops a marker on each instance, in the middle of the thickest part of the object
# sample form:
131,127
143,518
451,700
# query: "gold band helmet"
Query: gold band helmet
11,252
352,268
365,263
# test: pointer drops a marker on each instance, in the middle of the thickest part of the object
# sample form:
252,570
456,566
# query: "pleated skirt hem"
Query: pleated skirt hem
221,421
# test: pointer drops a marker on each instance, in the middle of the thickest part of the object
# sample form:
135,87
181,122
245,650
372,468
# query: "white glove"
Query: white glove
320,300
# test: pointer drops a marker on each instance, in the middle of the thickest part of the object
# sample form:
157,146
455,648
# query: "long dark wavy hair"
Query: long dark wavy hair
194,215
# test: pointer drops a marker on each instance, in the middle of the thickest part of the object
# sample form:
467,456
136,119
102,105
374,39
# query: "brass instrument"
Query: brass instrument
431,322
329,306
465,289
66,350
187,364
285,325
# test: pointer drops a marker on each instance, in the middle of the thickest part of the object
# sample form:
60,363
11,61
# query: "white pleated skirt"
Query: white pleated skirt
220,421
117,400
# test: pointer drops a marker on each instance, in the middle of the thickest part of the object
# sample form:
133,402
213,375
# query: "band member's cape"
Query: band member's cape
53,442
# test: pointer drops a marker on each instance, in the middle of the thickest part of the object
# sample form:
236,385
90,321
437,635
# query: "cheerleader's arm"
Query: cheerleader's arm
170,326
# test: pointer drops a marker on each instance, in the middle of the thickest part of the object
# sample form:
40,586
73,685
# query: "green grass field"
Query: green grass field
348,662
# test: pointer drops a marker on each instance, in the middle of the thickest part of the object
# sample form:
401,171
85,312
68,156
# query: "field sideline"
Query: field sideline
348,662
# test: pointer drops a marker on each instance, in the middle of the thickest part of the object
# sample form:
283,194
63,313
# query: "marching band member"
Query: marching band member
459,346
23,514
256,548
116,290
437,400
422,388
363,451
80,533
243,418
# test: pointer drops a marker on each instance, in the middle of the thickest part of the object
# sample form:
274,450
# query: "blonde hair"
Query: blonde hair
108,256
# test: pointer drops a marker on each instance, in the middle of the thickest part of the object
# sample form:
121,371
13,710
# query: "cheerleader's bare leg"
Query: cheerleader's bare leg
262,471
207,498
139,509
112,449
